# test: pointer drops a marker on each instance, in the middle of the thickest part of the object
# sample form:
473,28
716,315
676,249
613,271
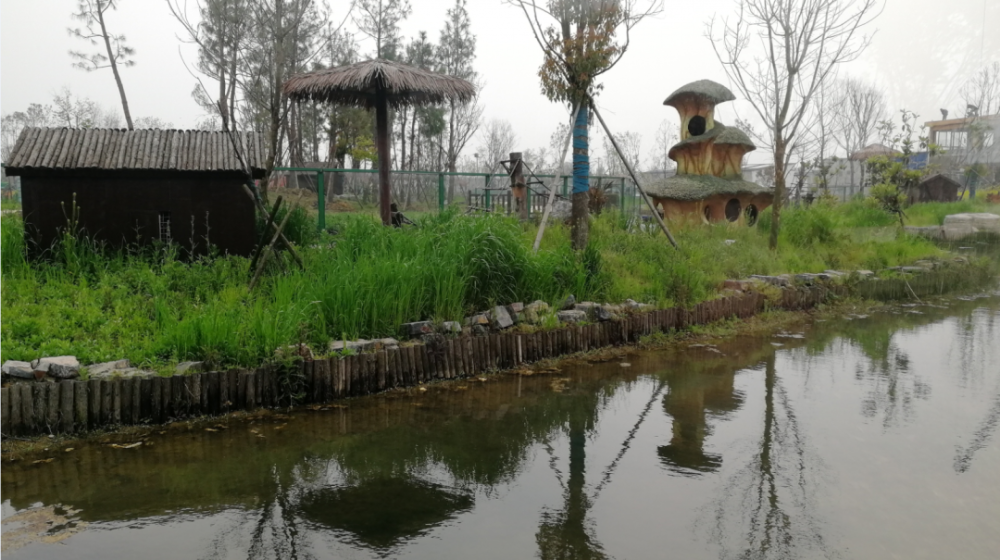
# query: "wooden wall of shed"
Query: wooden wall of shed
121,207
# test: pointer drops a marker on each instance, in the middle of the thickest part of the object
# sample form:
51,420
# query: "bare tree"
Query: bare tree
379,19
982,91
580,41
665,138
219,32
858,108
81,113
13,123
498,141
778,53
456,52
631,146
95,30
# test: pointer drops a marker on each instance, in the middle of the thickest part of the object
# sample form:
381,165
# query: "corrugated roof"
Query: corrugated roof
111,148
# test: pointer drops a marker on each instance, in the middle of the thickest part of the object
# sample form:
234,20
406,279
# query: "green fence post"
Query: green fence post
321,201
565,185
441,192
527,199
622,201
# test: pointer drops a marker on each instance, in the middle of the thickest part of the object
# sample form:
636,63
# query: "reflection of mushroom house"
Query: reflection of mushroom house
709,183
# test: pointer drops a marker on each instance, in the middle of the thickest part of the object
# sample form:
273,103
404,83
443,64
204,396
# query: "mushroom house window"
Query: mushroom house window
696,126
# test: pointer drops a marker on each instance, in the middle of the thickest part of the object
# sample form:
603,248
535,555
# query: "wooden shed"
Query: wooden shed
936,188
136,187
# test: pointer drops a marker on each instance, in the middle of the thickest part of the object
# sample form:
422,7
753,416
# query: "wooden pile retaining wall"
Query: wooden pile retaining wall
75,406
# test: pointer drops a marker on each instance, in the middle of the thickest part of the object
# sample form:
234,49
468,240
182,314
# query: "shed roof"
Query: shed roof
119,149
940,178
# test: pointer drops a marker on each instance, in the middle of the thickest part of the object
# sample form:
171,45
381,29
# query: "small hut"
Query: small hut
176,186
936,188
709,185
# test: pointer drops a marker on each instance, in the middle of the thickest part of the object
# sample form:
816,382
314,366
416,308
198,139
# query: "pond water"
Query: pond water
869,437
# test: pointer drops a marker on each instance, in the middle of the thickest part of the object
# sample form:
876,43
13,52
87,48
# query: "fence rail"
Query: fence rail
436,189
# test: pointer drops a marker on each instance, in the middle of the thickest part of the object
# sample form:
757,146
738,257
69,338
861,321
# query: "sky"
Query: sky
921,53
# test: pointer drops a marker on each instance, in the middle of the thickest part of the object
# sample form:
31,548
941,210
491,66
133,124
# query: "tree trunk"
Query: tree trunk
580,217
779,191
114,64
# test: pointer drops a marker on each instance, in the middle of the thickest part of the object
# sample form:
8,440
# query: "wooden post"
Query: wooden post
52,404
155,398
5,411
384,158
66,403
517,186
27,408
13,394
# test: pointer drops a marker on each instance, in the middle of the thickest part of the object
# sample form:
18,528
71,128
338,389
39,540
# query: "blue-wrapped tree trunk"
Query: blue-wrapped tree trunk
581,182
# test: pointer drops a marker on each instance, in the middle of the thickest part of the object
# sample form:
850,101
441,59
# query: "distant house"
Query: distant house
967,142
936,188
179,186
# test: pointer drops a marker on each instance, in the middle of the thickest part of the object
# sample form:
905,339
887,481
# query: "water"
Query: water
866,438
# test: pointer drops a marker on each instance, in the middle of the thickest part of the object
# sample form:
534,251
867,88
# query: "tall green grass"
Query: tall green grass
154,308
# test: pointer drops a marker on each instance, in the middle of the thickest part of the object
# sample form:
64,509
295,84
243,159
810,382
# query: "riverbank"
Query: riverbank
77,406
157,310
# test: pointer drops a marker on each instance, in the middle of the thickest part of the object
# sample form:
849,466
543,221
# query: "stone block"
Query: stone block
105,369
417,328
603,313
478,319
983,222
864,273
588,307
59,367
451,327
358,345
571,316
501,318
185,368
516,307
632,304
15,368
568,303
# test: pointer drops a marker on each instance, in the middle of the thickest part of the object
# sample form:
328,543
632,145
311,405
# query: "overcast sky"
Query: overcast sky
923,50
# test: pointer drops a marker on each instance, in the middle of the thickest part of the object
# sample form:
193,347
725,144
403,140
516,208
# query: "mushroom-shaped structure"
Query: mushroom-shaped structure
709,183
379,83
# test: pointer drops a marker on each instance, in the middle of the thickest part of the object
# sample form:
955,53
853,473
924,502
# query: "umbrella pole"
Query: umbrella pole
382,146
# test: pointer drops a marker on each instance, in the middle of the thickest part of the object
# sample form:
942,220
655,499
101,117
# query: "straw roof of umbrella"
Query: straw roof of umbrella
873,150
357,84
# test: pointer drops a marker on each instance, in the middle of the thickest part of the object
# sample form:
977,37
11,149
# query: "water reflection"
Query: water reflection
390,476
767,508
695,394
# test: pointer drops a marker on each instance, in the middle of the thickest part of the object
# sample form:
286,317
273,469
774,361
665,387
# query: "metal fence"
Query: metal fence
431,191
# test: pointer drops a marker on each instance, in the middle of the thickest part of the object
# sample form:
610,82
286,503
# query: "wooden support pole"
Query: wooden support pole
631,172
552,188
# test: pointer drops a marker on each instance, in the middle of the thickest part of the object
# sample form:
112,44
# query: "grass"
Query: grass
154,308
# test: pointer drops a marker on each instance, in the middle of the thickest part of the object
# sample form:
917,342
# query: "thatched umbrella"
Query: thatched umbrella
379,83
